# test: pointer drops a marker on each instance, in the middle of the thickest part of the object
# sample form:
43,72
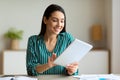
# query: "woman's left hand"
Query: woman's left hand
72,68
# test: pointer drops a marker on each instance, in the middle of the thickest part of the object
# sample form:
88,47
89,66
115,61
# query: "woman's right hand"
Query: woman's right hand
44,67
51,60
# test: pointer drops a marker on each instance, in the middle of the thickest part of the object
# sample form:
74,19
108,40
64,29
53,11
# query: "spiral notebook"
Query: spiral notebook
73,53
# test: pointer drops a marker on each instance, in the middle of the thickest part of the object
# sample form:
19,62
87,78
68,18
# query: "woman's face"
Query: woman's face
55,23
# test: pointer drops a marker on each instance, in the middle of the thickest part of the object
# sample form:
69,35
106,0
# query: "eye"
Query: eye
54,20
62,21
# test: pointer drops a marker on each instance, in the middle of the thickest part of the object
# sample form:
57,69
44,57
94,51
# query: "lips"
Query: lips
57,29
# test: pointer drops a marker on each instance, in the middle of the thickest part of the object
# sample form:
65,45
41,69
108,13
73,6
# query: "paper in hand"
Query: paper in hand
73,53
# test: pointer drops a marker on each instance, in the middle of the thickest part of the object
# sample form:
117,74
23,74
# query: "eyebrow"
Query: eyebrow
57,18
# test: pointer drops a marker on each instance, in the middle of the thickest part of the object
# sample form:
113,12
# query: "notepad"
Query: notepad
18,78
73,53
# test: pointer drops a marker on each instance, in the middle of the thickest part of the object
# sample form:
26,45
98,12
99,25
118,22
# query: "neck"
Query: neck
50,38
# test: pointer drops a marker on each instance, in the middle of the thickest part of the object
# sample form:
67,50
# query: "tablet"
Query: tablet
73,53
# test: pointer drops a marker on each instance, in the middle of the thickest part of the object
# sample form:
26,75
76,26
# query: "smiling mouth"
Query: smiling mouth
57,29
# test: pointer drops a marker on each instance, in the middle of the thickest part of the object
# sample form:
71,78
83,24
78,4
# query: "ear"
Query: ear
45,20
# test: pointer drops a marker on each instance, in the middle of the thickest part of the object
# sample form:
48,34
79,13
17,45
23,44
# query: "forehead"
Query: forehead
57,14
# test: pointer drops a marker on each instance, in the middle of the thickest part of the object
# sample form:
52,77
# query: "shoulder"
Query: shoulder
33,37
67,35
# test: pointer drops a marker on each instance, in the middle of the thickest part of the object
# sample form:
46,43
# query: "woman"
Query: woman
44,48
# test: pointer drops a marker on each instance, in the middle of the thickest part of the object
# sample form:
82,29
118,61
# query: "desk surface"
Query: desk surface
45,77
62,77
56,77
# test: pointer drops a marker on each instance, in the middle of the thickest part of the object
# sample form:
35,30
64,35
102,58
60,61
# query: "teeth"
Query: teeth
57,29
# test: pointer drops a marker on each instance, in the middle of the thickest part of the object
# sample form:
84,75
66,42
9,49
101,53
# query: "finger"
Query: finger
51,59
70,72
48,59
72,68
69,68
54,56
75,63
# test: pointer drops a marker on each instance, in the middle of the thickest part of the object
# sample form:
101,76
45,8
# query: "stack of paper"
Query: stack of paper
98,77
18,78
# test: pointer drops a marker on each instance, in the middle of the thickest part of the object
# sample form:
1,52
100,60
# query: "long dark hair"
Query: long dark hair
49,10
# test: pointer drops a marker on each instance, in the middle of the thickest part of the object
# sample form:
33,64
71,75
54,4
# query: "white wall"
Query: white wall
115,36
113,31
27,14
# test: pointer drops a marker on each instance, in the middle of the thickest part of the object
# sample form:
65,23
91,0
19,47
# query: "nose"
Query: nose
59,23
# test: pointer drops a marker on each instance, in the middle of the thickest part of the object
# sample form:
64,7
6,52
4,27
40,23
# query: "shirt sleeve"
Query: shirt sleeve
76,73
31,58
70,36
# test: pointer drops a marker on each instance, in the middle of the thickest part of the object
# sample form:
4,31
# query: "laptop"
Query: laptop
73,53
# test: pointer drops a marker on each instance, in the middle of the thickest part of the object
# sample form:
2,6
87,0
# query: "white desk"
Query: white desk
60,77
56,77
45,77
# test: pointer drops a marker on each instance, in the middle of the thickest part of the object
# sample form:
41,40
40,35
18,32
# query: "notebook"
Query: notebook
18,78
73,53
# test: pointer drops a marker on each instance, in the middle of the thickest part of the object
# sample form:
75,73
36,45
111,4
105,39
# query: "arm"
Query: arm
31,58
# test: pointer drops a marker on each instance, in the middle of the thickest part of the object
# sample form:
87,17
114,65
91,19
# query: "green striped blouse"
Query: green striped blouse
37,53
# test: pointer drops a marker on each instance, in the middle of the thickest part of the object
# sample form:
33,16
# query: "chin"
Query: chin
57,32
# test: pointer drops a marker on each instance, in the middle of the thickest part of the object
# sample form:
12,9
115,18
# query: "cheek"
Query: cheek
63,26
49,25
52,24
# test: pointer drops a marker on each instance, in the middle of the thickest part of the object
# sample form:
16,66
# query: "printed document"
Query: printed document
73,53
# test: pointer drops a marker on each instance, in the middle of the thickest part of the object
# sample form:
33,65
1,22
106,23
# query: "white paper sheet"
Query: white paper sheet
6,78
18,78
98,77
73,53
